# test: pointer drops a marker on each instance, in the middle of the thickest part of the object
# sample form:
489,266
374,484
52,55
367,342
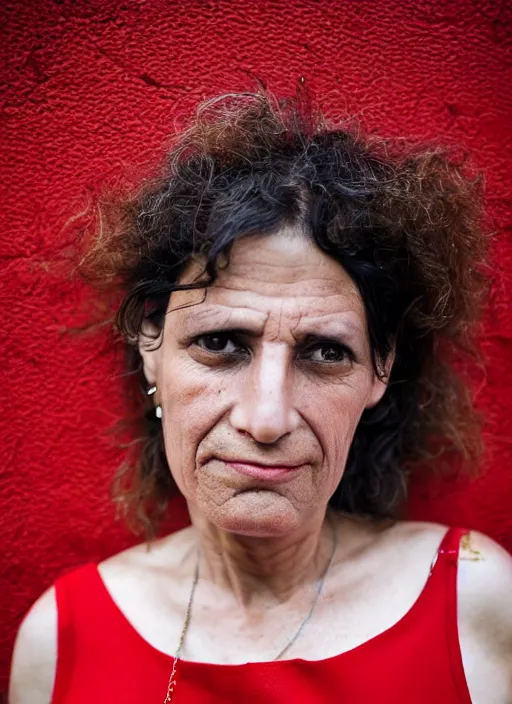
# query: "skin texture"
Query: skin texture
275,395
271,395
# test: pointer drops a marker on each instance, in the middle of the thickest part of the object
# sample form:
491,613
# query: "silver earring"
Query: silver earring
158,409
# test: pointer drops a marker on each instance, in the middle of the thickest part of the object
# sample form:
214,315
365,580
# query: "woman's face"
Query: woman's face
262,382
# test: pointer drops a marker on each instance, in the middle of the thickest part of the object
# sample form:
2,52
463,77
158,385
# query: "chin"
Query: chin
258,514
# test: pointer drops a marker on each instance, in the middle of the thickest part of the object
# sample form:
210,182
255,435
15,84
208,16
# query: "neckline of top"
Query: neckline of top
442,550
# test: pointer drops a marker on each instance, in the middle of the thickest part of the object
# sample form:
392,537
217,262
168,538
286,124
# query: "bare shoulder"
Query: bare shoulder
484,599
418,538
485,585
35,654
493,560
420,531
485,568
484,603
165,555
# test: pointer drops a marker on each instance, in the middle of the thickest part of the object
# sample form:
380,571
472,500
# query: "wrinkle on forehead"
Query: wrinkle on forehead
219,316
280,281
283,258
296,303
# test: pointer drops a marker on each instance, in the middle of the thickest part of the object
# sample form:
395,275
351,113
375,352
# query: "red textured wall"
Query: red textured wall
94,87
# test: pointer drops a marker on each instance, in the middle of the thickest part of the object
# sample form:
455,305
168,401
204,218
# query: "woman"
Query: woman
291,295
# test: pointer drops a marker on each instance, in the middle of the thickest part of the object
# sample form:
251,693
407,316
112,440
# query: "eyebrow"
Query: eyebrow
246,321
218,317
331,325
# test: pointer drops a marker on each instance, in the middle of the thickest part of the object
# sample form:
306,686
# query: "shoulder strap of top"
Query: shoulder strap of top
450,544
449,548
444,575
68,588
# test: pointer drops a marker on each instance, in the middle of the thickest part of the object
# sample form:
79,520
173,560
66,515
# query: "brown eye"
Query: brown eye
329,353
221,343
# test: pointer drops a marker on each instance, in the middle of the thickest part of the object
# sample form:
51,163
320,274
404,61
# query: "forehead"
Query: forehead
283,274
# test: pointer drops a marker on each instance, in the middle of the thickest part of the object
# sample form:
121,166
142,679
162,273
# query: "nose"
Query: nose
264,408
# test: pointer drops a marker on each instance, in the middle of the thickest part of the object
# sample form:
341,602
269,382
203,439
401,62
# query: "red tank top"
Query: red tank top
102,658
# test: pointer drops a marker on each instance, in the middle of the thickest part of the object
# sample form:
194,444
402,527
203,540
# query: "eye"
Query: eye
218,343
329,353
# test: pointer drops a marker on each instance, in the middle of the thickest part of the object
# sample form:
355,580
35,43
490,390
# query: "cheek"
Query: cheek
191,407
334,417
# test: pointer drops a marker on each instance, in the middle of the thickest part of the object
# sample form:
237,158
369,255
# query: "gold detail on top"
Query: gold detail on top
472,554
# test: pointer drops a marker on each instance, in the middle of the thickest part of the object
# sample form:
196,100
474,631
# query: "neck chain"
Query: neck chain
319,585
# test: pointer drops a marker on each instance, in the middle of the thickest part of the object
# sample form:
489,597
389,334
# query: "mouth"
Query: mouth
264,472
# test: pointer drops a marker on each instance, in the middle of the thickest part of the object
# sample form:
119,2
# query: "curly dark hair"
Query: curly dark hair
404,221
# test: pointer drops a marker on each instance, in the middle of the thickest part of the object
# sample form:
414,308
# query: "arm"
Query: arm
35,654
485,618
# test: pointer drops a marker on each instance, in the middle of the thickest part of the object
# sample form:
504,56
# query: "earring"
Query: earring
158,408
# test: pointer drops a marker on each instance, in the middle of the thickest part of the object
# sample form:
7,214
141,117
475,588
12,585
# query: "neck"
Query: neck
264,569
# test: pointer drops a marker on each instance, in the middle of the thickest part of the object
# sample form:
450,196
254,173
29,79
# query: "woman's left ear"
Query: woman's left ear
380,383
150,349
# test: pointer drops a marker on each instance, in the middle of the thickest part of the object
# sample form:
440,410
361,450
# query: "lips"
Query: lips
264,472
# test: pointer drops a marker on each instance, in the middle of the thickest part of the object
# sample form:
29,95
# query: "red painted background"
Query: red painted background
93,88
